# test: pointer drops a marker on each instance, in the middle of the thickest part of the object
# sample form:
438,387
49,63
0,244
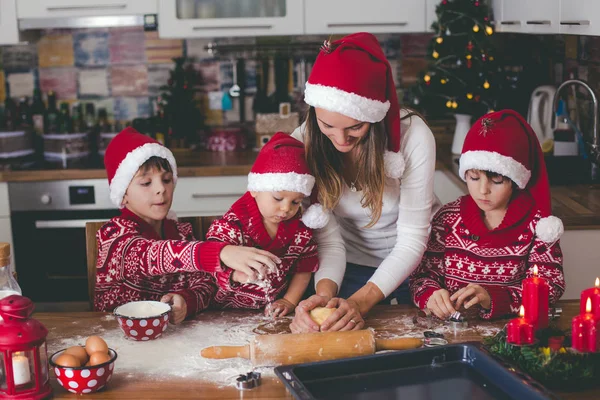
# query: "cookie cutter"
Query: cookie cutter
456,324
434,341
248,381
432,334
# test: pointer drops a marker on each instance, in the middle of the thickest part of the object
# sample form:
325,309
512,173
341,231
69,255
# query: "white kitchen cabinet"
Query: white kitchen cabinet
375,16
210,195
83,8
215,18
528,16
9,32
430,16
580,17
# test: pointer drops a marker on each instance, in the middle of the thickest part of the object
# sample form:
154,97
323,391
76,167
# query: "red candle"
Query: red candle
520,330
594,295
535,300
584,331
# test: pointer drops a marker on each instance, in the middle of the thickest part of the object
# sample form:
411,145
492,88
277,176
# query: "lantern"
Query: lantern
23,356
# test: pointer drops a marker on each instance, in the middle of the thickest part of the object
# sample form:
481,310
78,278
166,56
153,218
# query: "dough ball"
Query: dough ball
320,314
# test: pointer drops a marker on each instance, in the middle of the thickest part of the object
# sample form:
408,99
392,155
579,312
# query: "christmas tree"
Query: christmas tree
462,75
178,105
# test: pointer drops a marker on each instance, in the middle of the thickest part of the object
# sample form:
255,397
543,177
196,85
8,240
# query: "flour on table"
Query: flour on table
177,352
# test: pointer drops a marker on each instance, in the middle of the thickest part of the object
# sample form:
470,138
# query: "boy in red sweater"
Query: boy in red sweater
145,255
484,244
268,217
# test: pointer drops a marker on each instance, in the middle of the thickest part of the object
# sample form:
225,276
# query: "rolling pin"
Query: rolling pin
273,350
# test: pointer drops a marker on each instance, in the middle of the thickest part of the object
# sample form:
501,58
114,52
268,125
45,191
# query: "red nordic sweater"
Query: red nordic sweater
134,263
293,244
461,250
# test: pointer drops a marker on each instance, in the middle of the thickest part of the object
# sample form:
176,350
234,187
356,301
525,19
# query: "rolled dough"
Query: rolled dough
320,314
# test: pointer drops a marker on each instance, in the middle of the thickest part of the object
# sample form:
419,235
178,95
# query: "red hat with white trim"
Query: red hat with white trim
124,156
503,142
281,166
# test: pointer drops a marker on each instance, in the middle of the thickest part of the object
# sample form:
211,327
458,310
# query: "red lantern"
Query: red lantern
23,355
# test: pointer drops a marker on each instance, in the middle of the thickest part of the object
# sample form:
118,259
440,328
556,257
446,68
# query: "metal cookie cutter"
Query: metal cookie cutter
248,381
434,341
457,322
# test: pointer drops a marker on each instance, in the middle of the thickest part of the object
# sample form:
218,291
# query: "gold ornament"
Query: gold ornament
469,96
427,78
489,30
439,40
475,28
443,81
454,104
435,54
486,85
468,56
449,104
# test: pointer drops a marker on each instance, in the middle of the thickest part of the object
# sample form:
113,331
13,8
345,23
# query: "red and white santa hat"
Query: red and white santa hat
125,154
503,142
281,166
352,77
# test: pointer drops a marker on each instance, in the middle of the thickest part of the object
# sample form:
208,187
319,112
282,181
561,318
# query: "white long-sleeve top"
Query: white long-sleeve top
396,243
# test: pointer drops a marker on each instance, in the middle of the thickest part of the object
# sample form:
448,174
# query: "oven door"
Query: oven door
50,253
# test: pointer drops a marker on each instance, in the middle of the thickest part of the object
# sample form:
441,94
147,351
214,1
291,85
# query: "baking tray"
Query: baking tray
457,371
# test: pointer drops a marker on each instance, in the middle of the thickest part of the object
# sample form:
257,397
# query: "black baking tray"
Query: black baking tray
457,371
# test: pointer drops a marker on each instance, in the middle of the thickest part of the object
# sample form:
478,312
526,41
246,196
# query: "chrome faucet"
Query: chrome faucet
594,146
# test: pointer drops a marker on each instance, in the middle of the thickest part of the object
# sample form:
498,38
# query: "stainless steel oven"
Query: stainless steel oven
48,226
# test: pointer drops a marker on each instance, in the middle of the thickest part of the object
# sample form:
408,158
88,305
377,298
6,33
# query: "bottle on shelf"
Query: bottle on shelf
38,113
24,114
52,114
11,119
77,123
64,119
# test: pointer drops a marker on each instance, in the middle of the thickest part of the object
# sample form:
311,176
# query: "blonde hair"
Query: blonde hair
327,165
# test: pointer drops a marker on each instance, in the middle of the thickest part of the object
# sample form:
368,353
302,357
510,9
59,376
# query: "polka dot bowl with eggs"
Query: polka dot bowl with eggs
143,320
84,369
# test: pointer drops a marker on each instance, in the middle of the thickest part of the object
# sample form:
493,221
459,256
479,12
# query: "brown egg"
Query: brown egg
67,360
79,353
99,357
95,344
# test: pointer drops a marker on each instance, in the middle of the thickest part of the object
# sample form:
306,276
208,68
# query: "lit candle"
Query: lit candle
520,330
594,295
535,300
584,331
20,365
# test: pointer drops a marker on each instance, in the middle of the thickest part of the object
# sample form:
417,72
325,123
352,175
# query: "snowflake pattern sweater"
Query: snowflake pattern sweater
293,244
461,250
134,263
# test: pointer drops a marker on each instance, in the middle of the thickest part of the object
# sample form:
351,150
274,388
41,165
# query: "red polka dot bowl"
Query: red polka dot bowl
82,380
143,320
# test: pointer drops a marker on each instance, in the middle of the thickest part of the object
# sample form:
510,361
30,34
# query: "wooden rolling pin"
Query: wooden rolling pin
272,350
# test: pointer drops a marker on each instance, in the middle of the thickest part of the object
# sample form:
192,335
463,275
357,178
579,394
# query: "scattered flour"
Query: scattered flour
177,352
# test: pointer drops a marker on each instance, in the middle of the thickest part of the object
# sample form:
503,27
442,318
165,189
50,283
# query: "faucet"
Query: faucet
594,146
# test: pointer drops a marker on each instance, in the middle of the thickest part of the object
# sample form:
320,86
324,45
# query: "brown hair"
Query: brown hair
492,175
327,165
158,163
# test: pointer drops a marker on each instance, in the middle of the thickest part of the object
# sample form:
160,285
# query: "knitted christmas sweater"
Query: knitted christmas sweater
134,263
461,250
293,244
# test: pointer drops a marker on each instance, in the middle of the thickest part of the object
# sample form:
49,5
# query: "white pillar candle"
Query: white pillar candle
21,372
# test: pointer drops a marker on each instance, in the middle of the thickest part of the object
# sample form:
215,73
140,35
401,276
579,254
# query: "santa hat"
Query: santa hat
281,166
124,156
352,77
504,143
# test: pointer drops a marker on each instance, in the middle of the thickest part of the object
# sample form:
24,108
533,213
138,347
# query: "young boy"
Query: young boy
144,255
268,216
484,244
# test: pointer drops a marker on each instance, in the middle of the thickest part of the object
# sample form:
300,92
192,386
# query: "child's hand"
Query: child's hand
279,308
472,294
255,263
178,307
239,276
440,304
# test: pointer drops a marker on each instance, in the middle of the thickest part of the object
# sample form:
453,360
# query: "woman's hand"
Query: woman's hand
470,295
255,263
279,308
302,322
440,304
178,307
347,317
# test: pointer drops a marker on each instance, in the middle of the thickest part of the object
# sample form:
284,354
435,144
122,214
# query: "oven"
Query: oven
48,226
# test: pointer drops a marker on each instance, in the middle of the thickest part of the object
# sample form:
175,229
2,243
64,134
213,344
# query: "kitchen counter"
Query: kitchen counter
134,385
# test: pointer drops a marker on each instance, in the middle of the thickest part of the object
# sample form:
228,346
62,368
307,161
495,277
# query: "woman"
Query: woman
381,200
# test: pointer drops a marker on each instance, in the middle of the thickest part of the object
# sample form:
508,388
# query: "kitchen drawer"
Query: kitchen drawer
9,33
83,8
207,195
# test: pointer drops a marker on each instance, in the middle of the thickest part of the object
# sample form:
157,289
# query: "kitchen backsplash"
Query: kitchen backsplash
122,69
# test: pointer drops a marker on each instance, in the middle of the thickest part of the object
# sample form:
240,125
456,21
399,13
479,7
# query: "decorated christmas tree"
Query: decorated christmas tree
178,105
462,75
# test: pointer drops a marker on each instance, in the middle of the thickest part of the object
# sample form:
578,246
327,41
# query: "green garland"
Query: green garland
563,370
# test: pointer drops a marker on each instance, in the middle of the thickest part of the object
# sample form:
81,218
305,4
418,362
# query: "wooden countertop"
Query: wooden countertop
189,163
130,385
578,206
